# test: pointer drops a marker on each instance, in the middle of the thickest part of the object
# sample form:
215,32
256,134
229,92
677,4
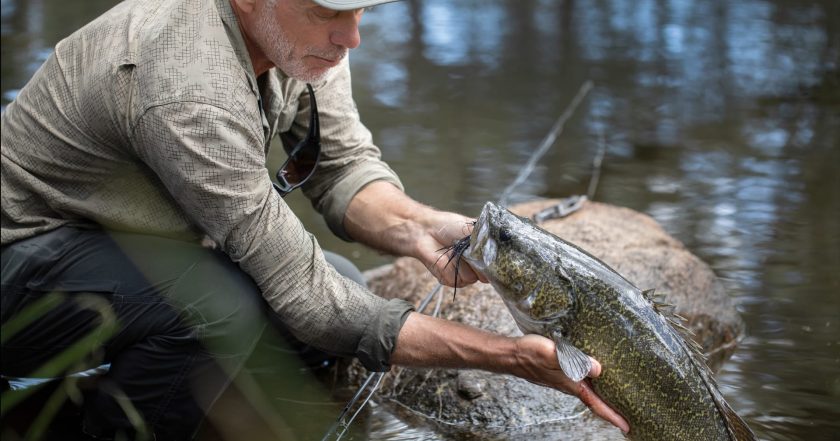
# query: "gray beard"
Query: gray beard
278,47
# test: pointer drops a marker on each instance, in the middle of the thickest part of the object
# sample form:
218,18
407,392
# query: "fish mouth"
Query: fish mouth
477,237
478,248
477,253
472,247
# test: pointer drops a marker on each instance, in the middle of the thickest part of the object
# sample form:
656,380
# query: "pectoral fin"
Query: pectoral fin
574,363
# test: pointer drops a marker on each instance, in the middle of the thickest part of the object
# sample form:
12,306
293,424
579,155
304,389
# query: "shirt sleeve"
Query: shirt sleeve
212,164
349,158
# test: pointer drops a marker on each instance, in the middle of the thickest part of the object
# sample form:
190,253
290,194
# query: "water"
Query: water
722,121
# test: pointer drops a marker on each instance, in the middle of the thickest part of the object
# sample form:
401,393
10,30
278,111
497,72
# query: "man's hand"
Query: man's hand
538,364
432,342
385,218
447,229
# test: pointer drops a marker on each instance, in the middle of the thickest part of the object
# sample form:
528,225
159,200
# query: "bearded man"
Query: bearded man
148,129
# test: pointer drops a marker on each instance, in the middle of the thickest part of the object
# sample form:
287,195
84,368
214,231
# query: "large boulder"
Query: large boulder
491,406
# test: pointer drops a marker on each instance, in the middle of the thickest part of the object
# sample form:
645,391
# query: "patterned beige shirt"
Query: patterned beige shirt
150,119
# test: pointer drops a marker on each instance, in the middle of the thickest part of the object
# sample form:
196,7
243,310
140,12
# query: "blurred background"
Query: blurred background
721,120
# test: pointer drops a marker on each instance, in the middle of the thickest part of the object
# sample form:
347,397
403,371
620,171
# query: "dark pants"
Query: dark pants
186,319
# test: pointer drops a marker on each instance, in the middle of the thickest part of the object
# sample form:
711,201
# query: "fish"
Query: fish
653,374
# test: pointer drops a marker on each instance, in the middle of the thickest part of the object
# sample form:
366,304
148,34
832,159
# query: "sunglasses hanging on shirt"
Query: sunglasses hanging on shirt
304,156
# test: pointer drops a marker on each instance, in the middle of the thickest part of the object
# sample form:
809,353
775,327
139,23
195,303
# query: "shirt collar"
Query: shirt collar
237,41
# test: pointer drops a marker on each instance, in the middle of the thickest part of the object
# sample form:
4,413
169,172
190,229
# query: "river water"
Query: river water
720,119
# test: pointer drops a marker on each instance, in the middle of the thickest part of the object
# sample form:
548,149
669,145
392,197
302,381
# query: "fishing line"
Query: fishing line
526,171
547,142
375,378
596,165
571,204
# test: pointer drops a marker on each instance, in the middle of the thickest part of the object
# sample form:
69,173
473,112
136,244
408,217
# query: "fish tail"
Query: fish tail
738,429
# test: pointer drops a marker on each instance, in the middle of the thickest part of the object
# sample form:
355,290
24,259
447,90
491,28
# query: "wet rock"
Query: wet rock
470,384
492,406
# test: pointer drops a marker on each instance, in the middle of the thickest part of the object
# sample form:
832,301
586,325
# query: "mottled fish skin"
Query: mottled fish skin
651,374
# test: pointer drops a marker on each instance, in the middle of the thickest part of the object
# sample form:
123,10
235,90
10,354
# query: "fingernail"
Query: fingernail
596,368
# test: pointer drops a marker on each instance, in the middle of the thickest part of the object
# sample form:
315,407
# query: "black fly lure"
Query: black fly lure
455,252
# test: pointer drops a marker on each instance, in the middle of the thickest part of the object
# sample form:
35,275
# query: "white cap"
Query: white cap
343,5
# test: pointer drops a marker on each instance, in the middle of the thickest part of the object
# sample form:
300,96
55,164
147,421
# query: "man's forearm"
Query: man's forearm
425,341
383,217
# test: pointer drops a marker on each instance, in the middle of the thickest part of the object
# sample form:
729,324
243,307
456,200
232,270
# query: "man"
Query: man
148,129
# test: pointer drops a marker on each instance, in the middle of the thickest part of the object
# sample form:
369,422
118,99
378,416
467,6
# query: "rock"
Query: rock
476,403
470,384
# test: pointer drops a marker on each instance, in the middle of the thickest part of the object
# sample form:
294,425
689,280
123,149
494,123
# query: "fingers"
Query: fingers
596,404
466,275
446,270
450,232
595,371
542,368
446,274
478,275
452,227
549,373
601,408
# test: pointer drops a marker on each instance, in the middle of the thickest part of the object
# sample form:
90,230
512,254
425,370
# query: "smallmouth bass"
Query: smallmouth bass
652,374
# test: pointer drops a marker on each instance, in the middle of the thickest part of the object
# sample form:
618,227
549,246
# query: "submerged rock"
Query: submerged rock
492,406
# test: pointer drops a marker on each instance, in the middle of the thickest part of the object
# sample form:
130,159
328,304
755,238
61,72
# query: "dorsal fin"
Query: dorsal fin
657,300
667,311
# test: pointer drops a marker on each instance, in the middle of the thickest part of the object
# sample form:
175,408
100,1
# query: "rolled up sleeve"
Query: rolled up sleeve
380,336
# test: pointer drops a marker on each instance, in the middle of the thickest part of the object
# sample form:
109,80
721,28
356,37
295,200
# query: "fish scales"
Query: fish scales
651,374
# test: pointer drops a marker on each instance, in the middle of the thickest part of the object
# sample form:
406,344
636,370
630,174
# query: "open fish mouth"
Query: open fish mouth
479,247
482,250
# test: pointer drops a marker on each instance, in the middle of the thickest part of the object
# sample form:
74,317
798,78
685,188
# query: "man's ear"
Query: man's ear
245,6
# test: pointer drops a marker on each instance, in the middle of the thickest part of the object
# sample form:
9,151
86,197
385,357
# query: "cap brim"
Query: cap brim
343,5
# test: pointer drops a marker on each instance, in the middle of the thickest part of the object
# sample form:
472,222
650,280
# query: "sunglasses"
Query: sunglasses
304,156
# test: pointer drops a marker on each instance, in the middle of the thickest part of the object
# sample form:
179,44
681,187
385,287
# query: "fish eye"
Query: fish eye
504,235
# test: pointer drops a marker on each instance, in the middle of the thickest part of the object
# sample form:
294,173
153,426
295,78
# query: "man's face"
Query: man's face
303,39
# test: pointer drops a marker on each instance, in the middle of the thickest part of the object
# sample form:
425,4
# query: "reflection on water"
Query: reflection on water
721,118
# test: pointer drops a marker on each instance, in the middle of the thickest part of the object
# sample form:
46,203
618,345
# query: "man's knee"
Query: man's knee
345,267
224,304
